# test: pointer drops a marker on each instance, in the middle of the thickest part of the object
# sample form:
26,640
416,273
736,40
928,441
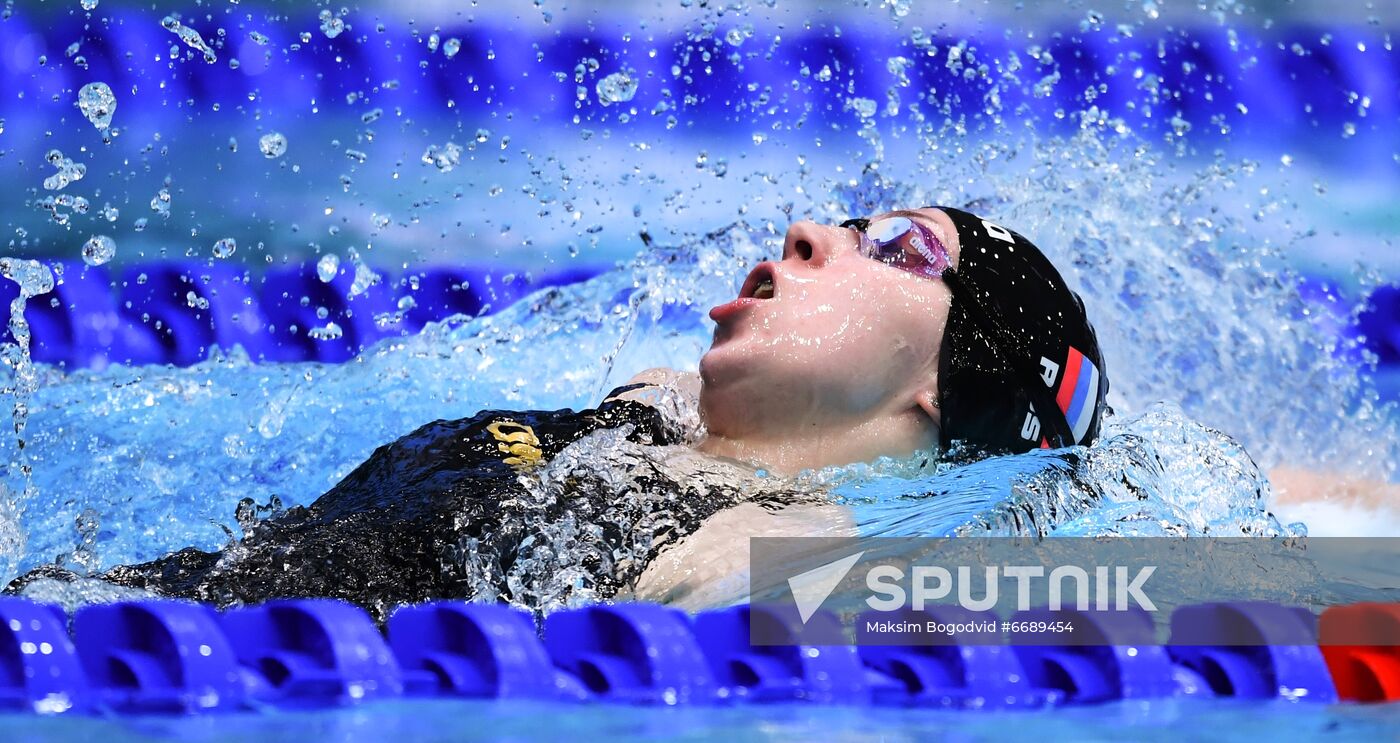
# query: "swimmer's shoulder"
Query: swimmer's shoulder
648,387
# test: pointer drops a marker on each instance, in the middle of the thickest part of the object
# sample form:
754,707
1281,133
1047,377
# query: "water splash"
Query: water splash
190,36
69,172
56,206
34,279
1187,281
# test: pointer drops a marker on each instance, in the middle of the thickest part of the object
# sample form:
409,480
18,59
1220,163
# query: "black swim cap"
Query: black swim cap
1020,367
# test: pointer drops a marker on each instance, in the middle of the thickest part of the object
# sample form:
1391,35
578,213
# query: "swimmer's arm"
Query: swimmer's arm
710,568
657,380
1336,503
1298,485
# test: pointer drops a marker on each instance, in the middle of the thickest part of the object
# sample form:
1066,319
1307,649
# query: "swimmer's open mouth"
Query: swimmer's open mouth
760,284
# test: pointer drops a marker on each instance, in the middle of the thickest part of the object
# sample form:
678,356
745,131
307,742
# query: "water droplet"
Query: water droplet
330,332
444,158
97,103
451,47
331,24
98,250
161,204
88,4
327,267
365,277
618,87
225,247
190,36
864,107
68,171
272,144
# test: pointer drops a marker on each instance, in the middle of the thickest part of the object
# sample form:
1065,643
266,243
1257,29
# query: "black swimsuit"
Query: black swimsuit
406,523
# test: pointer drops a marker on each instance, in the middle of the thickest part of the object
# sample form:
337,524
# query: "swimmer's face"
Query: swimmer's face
825,337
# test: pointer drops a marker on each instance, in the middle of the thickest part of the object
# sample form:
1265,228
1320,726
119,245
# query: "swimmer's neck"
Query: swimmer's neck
789,452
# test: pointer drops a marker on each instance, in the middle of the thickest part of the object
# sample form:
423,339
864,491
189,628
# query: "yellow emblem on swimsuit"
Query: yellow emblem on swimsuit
521,444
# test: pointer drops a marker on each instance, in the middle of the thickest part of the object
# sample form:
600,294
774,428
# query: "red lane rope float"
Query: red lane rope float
1361,644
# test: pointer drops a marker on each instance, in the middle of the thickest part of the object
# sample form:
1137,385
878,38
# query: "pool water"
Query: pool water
675,142
1164,720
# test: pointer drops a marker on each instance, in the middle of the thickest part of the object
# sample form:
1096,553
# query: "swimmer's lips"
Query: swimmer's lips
760,286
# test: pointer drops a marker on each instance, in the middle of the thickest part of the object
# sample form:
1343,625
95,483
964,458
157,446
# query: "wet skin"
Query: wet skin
839,365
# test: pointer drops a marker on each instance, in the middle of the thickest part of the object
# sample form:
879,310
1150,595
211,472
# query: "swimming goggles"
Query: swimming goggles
902,243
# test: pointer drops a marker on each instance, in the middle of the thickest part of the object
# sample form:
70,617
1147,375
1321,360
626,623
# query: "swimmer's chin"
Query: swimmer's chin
721,376
712,364
724,364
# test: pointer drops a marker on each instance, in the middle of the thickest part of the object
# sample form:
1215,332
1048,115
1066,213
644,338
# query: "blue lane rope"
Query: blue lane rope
169,656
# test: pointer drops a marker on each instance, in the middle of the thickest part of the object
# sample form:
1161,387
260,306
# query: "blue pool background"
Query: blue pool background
1286,222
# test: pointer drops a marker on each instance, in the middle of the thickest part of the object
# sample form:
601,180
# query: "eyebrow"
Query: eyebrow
908,213
923,219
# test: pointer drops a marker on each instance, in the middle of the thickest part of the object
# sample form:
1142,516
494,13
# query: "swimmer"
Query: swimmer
890,335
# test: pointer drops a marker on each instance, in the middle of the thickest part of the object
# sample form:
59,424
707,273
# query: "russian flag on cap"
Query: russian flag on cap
1079,393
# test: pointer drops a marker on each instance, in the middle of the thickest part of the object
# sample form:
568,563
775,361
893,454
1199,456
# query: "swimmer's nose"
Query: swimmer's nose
816,244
